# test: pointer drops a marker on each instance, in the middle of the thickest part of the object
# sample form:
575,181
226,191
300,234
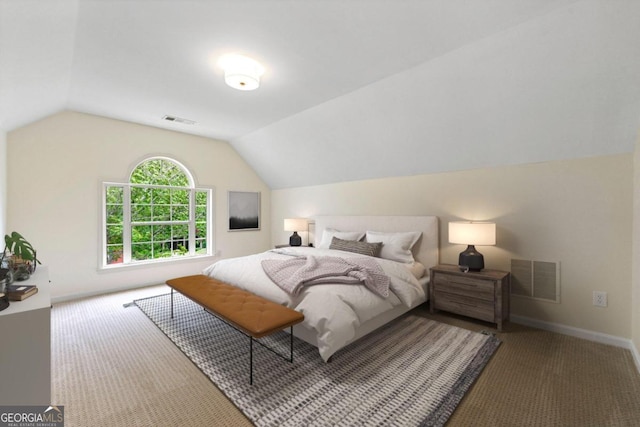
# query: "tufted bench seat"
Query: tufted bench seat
251,314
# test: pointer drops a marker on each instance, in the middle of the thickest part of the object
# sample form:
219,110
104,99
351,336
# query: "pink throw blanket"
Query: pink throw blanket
292,274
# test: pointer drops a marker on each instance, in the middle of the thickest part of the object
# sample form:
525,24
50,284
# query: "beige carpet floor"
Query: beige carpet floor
112,367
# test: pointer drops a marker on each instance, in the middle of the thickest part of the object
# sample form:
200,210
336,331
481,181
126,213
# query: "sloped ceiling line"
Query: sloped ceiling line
558,87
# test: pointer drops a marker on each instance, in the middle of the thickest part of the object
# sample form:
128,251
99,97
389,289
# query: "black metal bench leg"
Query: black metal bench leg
251,360
291,336
251,353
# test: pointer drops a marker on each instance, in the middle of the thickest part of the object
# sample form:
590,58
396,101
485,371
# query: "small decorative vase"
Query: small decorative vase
22,273
5,278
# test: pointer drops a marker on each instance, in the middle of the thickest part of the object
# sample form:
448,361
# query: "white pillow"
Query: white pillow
329,233
395,246
418,270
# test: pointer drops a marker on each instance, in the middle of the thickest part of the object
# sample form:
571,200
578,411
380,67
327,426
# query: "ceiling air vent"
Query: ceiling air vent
179,120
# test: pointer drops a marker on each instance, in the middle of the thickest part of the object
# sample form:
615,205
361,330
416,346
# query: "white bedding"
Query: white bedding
333,311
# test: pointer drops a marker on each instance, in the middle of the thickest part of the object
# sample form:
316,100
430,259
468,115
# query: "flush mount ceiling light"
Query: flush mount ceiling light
241,72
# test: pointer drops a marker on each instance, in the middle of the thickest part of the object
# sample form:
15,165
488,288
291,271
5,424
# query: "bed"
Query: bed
338,314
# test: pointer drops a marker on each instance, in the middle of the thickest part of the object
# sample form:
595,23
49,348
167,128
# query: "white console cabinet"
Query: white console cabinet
25,346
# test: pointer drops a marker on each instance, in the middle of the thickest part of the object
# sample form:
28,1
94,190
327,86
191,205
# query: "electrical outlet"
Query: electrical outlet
599,298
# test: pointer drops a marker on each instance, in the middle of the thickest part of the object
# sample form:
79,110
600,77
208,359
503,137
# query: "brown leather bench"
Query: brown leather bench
252,315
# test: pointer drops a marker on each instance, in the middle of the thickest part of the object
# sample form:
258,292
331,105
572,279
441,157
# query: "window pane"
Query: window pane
161,250
201,246
141,213
201,213
114,195
141,251
161,233
160,172
114,234
180,246
180,239
140,195
161,196
180,197
114,214
114,254
141,233
179,213
201,230
180,232
144,173
178,178
159,190
161,213
201,198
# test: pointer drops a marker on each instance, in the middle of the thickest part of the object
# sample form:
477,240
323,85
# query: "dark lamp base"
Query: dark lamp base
471,258
295,239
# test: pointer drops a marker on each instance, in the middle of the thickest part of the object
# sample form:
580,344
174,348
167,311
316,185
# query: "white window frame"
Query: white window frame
128,224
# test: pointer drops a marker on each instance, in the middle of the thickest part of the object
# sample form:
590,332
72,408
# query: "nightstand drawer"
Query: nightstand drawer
466,306
467,286
482,294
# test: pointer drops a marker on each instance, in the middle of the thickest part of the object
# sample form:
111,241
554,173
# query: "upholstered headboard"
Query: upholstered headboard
425,250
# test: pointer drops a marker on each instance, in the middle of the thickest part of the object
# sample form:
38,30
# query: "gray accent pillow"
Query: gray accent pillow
363,248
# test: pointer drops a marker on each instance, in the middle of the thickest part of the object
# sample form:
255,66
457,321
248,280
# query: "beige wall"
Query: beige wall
56,166
635,309
3,182
577,212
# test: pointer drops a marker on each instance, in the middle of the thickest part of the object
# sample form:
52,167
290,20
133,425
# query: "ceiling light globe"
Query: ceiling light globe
241,72
241,81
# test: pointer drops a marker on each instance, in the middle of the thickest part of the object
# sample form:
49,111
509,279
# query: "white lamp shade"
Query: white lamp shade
241,72
295,224
472,233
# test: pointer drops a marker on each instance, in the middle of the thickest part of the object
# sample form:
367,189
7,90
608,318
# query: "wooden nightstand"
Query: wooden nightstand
482,295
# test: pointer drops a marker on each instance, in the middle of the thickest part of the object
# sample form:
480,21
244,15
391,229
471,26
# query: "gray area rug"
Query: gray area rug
411,372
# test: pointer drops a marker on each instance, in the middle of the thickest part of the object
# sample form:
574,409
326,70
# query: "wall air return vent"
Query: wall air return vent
178,120
538,280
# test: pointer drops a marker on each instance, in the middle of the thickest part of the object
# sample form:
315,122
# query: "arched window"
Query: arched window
158,215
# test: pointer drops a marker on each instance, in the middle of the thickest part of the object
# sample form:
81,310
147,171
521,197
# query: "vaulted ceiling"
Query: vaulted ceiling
353,89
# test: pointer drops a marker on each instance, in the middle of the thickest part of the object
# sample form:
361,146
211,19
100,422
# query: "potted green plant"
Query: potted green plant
24,256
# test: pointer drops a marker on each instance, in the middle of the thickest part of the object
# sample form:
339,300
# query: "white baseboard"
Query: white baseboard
636,355
598,337
81,295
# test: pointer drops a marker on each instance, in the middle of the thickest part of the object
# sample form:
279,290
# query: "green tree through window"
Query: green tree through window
158,214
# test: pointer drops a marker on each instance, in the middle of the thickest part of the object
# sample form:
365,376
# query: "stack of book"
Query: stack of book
20,292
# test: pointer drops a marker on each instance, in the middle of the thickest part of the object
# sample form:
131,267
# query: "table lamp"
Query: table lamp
295,225
472,233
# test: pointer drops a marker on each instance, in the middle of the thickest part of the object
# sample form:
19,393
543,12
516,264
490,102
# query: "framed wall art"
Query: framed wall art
244,210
